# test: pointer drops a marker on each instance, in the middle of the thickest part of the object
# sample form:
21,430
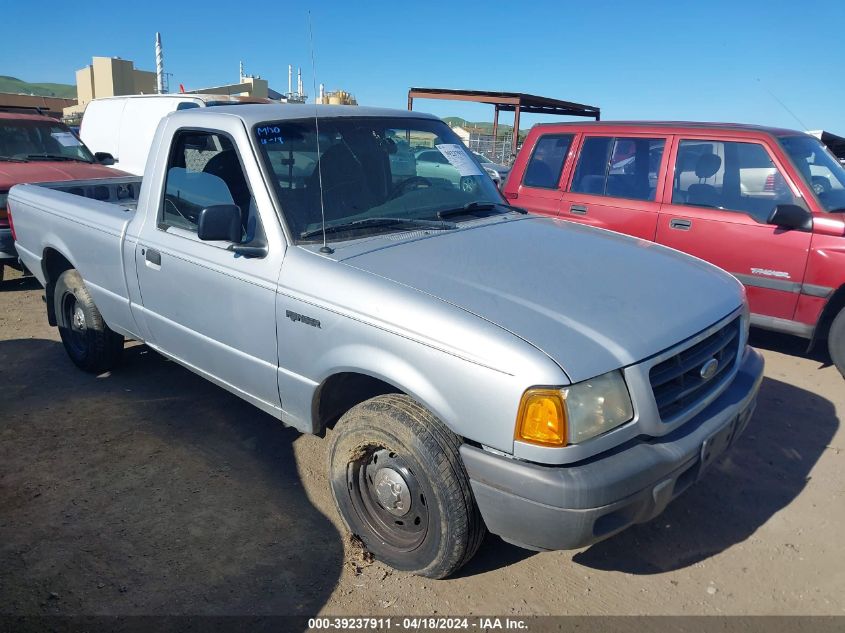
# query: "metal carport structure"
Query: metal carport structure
516,102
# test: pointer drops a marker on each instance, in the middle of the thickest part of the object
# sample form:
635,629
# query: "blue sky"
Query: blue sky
717,60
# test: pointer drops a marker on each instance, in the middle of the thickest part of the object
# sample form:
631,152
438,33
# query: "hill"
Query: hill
18,86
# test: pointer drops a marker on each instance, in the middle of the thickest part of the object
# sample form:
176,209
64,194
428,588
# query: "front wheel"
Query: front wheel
400,486
89,342
836,341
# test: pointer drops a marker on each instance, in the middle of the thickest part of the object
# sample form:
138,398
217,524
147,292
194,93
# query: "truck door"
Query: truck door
615,184
204,305
717,205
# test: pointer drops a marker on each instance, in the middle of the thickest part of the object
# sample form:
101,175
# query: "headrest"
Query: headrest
707,165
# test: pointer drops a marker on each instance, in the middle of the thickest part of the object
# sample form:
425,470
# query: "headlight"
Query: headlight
746,319
574,414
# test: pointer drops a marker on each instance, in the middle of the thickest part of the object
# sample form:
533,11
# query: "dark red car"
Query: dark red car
765,204
38,148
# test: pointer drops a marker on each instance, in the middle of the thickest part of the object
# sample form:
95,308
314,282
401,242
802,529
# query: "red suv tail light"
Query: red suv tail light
9,222
770,183
4,221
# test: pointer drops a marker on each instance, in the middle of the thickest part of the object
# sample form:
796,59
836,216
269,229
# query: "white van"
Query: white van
124,126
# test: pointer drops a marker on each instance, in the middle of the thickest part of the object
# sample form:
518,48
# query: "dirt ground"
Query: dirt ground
151,491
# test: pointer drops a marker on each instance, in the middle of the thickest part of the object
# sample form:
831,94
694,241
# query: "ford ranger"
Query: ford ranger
473,367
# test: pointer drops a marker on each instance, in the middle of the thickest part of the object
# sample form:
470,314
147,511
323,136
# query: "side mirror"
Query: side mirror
220,222
791,216
104,158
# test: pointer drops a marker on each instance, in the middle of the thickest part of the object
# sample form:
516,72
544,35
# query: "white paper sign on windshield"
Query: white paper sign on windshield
66,139
459,159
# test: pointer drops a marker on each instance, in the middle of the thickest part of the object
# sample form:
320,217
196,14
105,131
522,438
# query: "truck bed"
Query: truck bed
85,220
122,190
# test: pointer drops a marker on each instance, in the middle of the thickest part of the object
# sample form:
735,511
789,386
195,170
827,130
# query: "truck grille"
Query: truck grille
677,381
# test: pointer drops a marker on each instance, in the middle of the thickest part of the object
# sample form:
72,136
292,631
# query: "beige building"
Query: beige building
336,97
109,77
254,87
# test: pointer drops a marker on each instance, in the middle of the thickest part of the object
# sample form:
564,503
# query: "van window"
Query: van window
619,167
204,170
546,162
729,175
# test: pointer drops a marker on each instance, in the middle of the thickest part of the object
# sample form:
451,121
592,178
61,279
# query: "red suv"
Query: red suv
765,204
37,148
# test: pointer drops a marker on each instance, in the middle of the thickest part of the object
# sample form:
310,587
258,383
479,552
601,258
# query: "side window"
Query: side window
546,162
729,175
634,167
619,167
203,171
591,171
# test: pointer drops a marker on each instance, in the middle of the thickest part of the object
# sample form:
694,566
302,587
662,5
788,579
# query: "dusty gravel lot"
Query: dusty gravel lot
150,491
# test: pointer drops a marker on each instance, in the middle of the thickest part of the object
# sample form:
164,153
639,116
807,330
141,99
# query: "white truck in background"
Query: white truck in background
124,126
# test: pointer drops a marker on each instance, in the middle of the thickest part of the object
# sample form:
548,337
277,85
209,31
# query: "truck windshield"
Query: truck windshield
30,140
819,169
402,169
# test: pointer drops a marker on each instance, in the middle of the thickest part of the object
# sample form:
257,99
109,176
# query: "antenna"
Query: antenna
325,248
783,105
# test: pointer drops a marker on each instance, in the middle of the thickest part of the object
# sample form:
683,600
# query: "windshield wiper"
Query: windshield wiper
470,207
54,157
378,223
12,159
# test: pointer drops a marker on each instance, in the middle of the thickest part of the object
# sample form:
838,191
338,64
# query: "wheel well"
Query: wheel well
831,309
53,264
340,392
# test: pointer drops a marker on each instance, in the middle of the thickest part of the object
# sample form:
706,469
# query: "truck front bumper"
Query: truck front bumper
568,507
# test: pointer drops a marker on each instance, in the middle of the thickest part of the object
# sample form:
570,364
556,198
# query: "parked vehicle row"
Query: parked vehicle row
474,367
765,204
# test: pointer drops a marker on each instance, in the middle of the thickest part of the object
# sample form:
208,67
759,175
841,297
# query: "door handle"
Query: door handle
578,209
680,225
153,256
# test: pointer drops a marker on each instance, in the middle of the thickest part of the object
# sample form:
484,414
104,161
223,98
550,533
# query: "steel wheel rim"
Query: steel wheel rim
76,329
403,528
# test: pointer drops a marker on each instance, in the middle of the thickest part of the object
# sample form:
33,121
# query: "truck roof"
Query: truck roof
252,114
679,126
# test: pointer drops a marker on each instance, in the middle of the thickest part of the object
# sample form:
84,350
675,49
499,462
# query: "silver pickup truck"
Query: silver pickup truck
473,367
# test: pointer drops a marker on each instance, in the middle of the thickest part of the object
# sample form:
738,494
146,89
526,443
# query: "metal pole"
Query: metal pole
410,102
495,127
515,141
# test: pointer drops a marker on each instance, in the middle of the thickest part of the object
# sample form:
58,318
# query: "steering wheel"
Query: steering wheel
413,180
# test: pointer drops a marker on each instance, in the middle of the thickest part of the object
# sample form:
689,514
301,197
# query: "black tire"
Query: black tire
2,272
836,341
89,342
442,528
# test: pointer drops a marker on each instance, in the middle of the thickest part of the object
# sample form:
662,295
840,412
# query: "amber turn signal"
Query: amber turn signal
542,418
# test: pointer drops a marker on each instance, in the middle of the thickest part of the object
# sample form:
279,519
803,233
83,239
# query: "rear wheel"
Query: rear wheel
836,341
400,486
89,342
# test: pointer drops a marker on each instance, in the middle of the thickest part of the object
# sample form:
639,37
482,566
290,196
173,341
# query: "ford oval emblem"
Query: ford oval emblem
709,369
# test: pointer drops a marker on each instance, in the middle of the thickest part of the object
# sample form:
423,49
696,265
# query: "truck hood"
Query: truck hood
12,174
592,300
